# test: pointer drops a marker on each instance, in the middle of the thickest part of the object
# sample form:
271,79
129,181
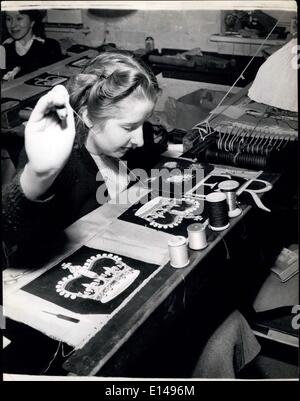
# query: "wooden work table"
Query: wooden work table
20,95
19,90
118,339
200,287
172,293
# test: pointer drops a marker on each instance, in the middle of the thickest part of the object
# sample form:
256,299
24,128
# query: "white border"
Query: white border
283,5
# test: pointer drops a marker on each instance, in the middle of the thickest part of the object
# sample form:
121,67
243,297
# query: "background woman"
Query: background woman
27,49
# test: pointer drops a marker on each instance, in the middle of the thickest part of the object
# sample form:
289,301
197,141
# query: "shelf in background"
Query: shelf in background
247,41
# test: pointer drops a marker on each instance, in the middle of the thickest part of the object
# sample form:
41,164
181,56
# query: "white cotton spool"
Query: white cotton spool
178,252
229,187
197,236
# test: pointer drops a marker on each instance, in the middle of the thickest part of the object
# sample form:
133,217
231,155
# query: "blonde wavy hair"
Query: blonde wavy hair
104,82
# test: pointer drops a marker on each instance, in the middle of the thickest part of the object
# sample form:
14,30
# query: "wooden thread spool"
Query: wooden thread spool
217,211
197,236
229,187
178,252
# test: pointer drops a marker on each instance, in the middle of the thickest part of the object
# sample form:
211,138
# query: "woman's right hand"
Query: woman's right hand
49,138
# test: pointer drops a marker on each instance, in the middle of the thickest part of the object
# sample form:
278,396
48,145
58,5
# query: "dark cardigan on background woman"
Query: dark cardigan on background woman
41,53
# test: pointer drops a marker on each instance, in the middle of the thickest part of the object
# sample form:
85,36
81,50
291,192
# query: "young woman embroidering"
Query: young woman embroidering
73,134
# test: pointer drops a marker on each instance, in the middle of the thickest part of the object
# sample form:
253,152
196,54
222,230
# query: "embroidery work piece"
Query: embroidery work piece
176,177
88,282
218,174
47,80
173,214
80,63
247,179
91,281
166,214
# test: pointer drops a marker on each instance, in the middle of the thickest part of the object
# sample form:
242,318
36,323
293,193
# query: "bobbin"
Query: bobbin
197,236
215,198
178,252
230,186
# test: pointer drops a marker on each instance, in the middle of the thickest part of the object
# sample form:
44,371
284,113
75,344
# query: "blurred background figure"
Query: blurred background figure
26,47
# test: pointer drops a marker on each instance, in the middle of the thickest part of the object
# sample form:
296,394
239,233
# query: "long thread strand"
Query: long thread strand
241,75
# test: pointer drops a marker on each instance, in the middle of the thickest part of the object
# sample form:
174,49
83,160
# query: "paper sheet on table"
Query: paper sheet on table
134,241
29,309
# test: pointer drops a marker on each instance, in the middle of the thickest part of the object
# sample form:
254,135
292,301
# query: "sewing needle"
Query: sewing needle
60,316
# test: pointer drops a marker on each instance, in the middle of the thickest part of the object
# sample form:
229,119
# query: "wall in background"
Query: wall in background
176,29
284,17
179,29
128,29
171,28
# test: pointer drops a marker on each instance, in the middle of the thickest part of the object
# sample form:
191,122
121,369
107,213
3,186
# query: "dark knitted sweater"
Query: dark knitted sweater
39,55
72,195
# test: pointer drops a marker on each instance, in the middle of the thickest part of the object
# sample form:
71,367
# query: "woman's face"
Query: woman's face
19,26
123,132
